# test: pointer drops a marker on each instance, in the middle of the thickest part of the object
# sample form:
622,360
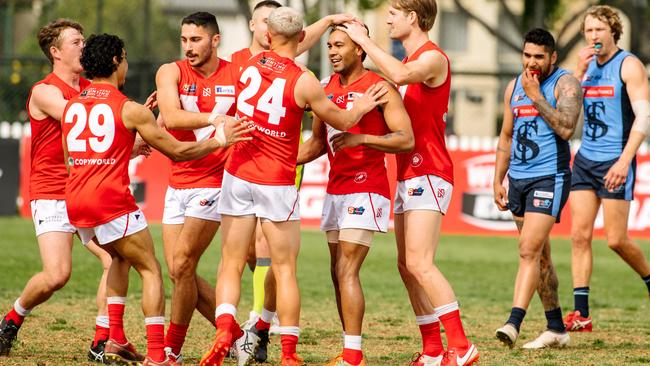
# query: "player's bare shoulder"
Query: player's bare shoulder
168,71
41,96
632,69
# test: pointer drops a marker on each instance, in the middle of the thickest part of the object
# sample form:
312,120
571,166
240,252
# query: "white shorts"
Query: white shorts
426,192
369,211
191,202
51,216
273,203
118,228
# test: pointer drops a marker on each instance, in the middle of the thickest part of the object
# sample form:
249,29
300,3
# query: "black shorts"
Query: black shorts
589,175
547,194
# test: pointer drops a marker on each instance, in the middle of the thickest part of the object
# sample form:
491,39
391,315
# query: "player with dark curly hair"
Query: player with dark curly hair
99,128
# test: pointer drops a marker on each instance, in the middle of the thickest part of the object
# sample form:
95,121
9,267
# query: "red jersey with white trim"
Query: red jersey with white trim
359,169
239,59
99,149
48,172
265,93
427,108
201,94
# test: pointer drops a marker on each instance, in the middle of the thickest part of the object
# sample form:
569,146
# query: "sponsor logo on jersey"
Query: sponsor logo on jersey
525,111
360,177
207,92
70,161
93,161
415,191
542,203
542,194
356,210
206,202
270,132
599,91
416,160
224,89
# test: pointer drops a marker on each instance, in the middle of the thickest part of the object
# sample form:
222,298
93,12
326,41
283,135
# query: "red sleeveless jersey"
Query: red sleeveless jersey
99,149
265,93
201,94
48,172
239,59
427,108
359,169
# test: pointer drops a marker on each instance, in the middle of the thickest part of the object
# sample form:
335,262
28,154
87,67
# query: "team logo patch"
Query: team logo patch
356,210
189,89
340,99
206,202
441,192
360,177
542,203
415,191
416,160
379,213
518,97
542,194
207,92
330,96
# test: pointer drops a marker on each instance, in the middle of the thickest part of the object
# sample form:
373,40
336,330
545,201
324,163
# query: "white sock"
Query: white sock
446,309
225,309
267,316
116,300
102,321
154,320
352,342
295,331
20,309
426,319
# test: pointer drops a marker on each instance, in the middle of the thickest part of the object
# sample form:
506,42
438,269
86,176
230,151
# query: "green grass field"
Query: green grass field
481,270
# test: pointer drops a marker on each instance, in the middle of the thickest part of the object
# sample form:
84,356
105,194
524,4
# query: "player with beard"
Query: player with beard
259,179
424,177
616,121
192,93
358,194
100,203
541,109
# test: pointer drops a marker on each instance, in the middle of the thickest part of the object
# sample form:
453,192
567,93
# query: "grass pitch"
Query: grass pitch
481,270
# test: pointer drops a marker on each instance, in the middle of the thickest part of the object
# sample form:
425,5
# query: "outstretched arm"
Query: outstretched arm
564,118
400,138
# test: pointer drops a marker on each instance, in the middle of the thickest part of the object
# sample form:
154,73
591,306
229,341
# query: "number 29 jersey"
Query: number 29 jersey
99,147
265,94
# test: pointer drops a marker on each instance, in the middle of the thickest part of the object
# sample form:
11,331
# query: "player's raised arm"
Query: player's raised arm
169,102
316,145
430,67
315,31
400,139
138,117
503,151
309,91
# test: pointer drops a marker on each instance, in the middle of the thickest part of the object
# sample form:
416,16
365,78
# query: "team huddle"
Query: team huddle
232,130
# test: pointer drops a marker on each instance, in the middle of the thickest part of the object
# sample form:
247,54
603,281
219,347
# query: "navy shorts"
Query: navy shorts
547,194
589,175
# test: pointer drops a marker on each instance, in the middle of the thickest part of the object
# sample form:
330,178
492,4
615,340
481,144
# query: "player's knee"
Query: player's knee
529,253
57,279
184,267
580,238
418,268
617,244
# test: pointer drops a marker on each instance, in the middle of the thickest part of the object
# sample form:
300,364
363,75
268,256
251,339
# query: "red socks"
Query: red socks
431,339
176,336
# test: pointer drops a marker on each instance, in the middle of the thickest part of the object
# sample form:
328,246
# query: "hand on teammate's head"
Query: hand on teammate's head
337,19
355,29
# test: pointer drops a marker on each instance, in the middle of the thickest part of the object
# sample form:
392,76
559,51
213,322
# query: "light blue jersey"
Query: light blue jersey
608,114
536,149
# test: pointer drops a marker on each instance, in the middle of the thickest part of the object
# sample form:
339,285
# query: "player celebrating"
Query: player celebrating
425,176
358,194
99,129
259,178
541,108
62,41
616,120
191,92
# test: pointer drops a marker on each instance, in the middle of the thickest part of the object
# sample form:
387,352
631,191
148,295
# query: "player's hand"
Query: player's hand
140,147
371,98
585,56
341,18
152,101
500,197
355,30
616,175
346,139
234,130
530,83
